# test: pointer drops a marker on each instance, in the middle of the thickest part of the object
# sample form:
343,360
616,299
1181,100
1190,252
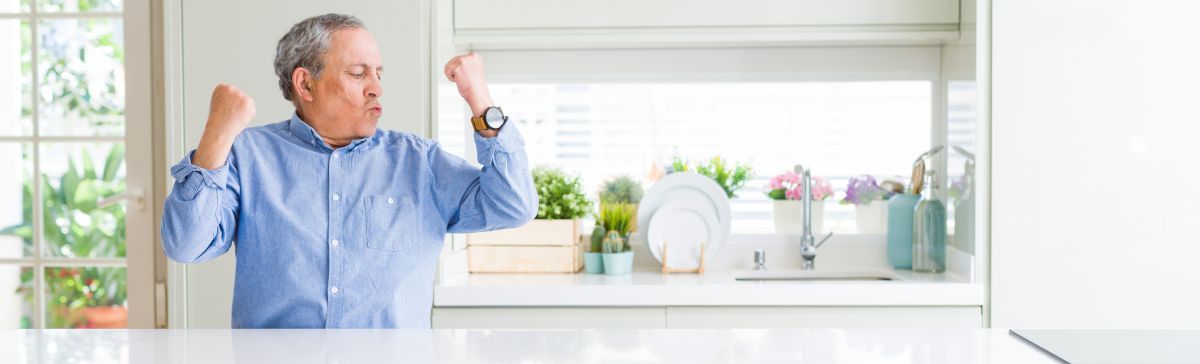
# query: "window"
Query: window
62,125
839,111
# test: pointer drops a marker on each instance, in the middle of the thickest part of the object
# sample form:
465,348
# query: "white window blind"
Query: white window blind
841,112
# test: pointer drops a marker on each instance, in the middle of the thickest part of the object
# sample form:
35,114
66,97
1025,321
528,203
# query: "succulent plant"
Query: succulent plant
623,189
597,239
614,243
617,221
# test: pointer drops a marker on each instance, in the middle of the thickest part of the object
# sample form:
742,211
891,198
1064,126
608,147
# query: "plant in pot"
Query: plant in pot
562,203
786,192
78,297
729,177
617,221
870,203
622,190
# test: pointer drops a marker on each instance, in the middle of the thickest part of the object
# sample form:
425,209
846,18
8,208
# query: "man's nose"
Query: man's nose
374,88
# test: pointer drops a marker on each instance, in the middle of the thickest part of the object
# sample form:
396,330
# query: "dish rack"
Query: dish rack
668,270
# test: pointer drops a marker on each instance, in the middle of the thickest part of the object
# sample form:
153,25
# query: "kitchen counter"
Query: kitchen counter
647,286
553,346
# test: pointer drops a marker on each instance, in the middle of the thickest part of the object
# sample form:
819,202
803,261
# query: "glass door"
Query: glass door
69,193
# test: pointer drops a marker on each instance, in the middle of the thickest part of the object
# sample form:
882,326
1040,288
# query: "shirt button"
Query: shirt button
333,290
335,156
391,201
336,197
334,242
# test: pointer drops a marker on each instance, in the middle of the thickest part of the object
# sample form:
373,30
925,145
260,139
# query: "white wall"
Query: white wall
1094,130
234,42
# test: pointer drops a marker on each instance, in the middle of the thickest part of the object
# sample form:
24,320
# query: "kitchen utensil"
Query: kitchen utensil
918,175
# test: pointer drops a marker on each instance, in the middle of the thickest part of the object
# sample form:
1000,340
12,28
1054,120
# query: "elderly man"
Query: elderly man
338,224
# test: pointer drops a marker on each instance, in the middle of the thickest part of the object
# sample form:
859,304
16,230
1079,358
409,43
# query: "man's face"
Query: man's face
345,101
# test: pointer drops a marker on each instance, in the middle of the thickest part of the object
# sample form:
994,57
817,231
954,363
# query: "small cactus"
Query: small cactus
597,239
614,243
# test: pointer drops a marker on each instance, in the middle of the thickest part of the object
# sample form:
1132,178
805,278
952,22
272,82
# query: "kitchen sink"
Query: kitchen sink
816,276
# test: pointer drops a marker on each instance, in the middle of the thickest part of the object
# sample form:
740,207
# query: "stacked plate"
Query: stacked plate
685,210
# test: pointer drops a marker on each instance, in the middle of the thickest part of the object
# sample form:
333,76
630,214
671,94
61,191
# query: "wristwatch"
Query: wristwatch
492,119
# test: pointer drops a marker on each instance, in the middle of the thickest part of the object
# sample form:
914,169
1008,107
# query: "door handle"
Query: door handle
134,196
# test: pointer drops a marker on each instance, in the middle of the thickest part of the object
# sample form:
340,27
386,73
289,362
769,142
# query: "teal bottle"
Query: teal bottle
929,230
900,230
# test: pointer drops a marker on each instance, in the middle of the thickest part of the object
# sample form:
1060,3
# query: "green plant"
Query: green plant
730,178
616,218
614,243
77,226
559,196
597,238
622,189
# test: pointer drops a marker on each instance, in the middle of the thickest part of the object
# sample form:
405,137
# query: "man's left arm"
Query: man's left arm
501,194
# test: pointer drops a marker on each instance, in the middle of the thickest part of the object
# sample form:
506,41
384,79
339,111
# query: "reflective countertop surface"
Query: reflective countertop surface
525,346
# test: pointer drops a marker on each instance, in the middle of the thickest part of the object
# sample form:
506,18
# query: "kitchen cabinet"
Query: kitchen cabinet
549,318
582,23
730,317
823,317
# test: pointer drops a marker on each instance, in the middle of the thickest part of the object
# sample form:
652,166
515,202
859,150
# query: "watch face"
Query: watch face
494,118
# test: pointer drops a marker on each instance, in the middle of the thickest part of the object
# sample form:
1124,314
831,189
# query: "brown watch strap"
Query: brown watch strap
478,123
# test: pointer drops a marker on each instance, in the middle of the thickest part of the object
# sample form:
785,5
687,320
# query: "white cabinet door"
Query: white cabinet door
549,318
579,14
823,317
534,24
231,41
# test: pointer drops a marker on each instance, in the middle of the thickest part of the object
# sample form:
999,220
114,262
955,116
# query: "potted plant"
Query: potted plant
617,221
79,297
614,192
785,191
622,189
870,203
729,177
553,234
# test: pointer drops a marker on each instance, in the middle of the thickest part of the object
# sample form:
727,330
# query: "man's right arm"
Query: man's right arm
201,213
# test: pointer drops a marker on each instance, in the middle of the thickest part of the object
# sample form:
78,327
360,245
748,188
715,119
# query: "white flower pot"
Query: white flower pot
789,217
871,218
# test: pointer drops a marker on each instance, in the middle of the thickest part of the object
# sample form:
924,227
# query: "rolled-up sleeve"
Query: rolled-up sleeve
498,196
200,215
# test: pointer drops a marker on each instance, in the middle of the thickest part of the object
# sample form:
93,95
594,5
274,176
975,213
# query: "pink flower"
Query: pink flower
789,186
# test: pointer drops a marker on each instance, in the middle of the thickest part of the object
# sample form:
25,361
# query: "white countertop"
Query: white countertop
471,346
646,286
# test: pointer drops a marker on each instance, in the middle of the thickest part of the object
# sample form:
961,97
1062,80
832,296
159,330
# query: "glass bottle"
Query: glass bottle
929,229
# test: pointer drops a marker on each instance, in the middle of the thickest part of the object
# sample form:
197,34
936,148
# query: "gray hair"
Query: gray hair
305,45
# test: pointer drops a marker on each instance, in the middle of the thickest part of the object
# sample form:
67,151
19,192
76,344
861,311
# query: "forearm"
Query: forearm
200,215
213,150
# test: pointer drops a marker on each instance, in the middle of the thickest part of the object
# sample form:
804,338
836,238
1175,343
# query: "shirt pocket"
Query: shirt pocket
393,223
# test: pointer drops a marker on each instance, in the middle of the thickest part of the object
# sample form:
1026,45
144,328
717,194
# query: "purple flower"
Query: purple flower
863,189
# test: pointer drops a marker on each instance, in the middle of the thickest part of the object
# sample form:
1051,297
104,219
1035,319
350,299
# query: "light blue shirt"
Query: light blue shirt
341,238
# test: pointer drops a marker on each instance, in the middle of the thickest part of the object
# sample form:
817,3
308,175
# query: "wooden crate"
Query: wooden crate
536,232
526,258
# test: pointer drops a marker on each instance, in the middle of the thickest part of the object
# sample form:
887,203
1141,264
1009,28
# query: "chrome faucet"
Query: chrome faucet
808,250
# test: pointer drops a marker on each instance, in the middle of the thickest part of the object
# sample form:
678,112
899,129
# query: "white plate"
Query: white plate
685,224
687,185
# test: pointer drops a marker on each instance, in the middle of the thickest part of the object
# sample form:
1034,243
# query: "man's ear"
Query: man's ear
302,84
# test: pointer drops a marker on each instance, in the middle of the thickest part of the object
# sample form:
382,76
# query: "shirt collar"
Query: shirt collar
301,130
